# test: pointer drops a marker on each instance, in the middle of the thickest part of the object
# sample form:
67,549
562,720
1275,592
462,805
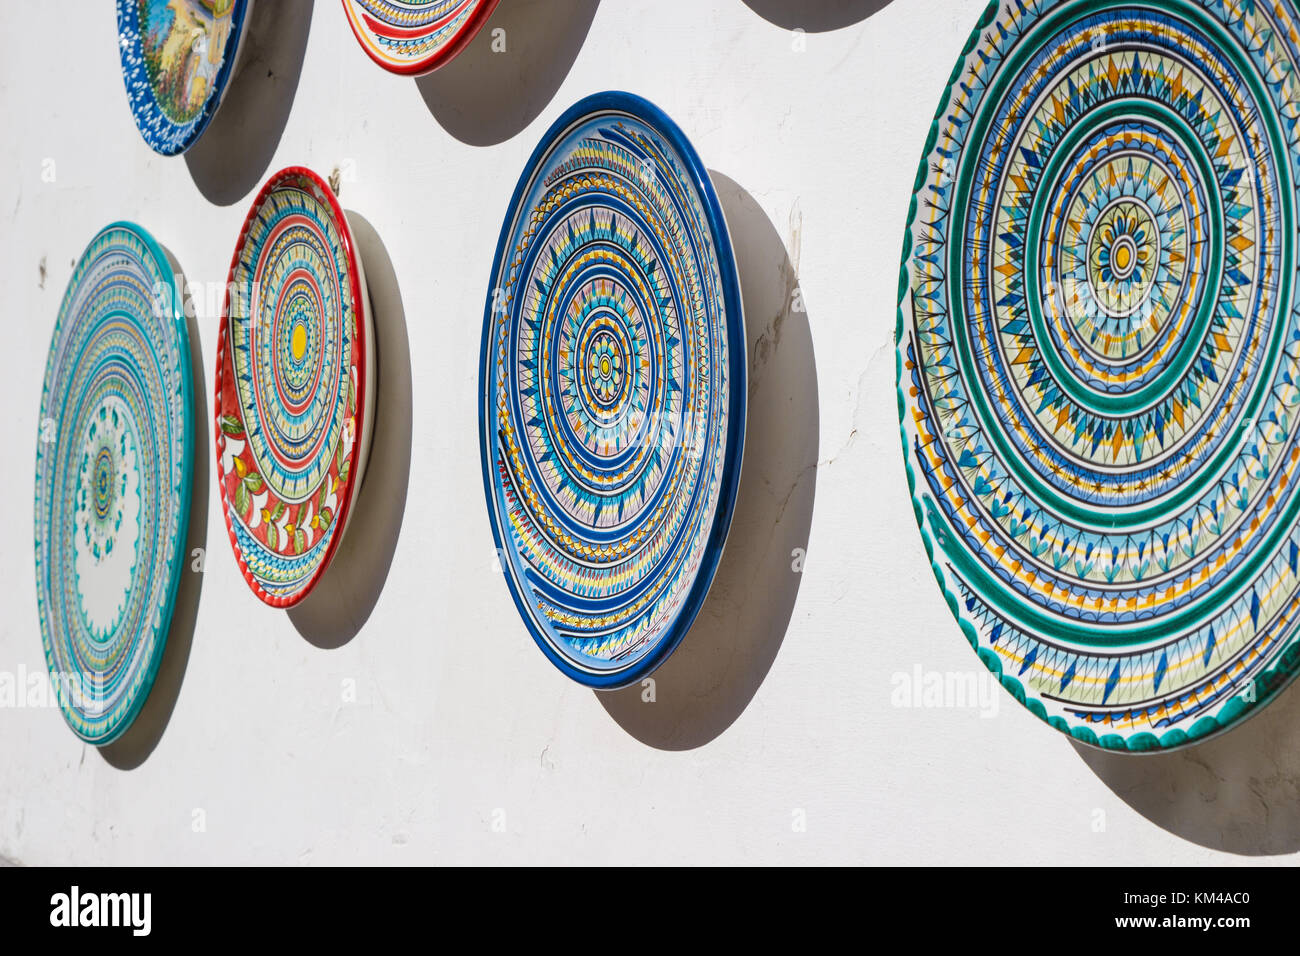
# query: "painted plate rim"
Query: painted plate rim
439,57
176,560
241,11
365,428
1132,744
652,116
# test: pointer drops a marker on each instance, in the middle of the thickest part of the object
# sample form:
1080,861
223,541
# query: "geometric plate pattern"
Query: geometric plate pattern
1099,360
294,395
613,389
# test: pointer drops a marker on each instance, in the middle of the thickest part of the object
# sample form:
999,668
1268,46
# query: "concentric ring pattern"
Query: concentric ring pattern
415,36
113,460
291,386
178,56
613,389
1098,360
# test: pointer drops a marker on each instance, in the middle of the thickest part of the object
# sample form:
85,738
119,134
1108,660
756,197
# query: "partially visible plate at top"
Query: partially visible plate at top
113,462
613,389
412,37
178,57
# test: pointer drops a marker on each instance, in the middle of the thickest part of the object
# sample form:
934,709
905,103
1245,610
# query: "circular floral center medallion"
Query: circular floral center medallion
108,514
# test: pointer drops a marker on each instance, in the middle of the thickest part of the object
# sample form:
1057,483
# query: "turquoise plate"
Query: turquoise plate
113,460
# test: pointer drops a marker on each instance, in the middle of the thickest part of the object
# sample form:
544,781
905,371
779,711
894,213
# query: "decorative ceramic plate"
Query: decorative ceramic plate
178,56
613,389
1099,360
113,459
294,397
415,36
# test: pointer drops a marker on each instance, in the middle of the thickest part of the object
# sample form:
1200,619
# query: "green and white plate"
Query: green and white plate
1099,360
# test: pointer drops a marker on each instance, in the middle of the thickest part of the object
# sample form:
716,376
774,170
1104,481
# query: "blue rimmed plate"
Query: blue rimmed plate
612,389
178,57
113,463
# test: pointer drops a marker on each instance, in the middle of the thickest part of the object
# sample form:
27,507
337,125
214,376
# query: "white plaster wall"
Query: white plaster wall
459,723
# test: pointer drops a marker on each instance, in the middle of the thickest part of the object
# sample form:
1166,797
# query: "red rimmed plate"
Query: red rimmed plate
294,396
415,38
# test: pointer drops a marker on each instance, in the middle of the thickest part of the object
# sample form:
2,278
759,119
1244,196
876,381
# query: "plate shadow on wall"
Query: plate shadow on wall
714,673
484,97
815,16
341,602
139,740
1238,792
235,150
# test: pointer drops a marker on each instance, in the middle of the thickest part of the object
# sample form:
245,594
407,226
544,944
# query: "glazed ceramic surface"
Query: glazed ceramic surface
113,466
177,58
293,400
613,389
1098,360
415,36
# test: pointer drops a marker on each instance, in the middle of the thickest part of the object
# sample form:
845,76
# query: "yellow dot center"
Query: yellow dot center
604,366
298,342
1123,255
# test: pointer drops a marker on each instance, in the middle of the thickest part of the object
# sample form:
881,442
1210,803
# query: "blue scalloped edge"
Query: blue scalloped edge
1268,684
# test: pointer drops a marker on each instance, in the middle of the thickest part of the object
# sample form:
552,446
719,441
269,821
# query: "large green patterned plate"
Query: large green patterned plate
1098,355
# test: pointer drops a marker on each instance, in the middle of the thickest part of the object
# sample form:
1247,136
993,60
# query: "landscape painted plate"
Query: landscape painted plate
113,464
1099,360
412,37
294,398
178,56
613,389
